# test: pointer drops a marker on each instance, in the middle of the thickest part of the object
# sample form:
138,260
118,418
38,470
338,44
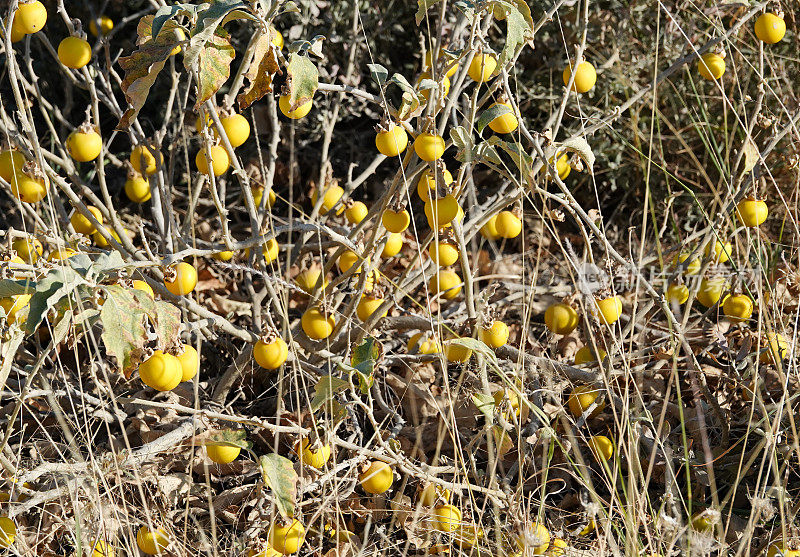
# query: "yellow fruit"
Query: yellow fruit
430,493
489,230
752,212
393,246
287,538
395,221
609,309
161,371
347,260
32,16
446,518
446,282
770,28
271,355
270,250
427,183
221,453
677,293
711,291
220,162
777,349
184,281
780,550
316,325
11,162
429,62
315,455
704,521
307,280
429,147
258,195
106,25
585,76
356,212
332,195
496,335
561,319
508,400
562,166
137,189
505,123
585,356
482,67
222,255
101,548
8,532
143,161
508,224
442,88
60,254
277,39
28,249
27,188
581,398
152,542
454,352
376,478
369,305
738,307
237,128
297,113
690,268
189,361
443,253
144,287
100,240
721,252
602,447
422,345
14,305
558,547
84,146
74,52
391,142
441,212
540,539
711,66
17,33
83,225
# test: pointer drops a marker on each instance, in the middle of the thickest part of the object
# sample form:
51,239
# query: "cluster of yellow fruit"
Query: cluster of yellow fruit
769,28
561,318
28,182
30,17
237,130
163,371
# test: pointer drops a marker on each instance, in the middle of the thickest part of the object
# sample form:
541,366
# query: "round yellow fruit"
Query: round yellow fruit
718,251
777,349
84,146
427,183
287,538
561,319
505,123
446,518
189,361
738,307
74,52
331,197
308,279
585,77
770,28
237,128
677,293
581,398
271,355
393,246
496,335
391,142
376,478
106,25
161,371
28,249
315,455
29,189
429,147
137,189
8,532
316,325
602,447
446,282
220,161
395,221
11,162
443,253
152,542
83,225
441,212
752,212
609,309
184,280
508,224
369,305
711,66
299,112
143,161
482,67
356,212
584,355
222,453
710,291
32,16
455,352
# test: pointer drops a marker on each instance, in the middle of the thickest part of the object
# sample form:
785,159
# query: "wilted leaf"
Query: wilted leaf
463,141
152,25
167,322
303,80
279,475
10,287
751,155
580,146
8,349
141,70
519,28
208,21
519,157
259,75
231,437
326,387
57,284
485,404
378,73
214,66
124,331
494,111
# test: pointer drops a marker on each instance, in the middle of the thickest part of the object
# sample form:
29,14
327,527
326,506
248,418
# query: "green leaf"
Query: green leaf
422,7
214,66
519,157
402,82
519,28
378,73
167,321
141,70
364,359
464,143
325,389
466,7
476,346
303,80
165,14
231,437
485,404
410,106
124,331
57,284
261,71
494,111
278,473
10,287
